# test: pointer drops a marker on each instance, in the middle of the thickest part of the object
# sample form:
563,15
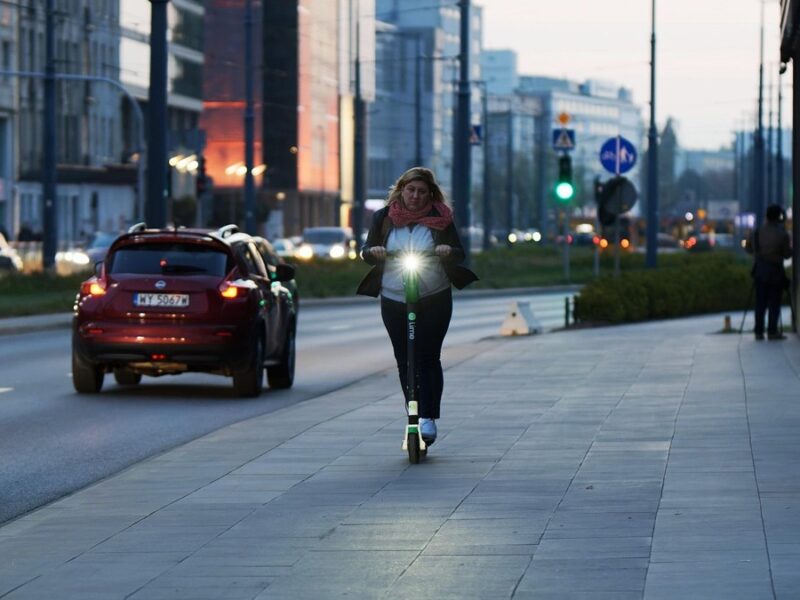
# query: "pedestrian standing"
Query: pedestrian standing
770,245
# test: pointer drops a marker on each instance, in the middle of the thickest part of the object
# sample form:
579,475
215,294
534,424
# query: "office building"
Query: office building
597,111
411,120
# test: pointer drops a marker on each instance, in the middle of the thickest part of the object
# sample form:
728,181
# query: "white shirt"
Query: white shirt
432,278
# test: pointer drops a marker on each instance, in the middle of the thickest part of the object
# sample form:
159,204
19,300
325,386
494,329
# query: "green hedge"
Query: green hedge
692,284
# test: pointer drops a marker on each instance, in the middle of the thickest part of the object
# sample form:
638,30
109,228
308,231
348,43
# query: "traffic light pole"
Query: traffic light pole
565,234
616,246
564,193
509,175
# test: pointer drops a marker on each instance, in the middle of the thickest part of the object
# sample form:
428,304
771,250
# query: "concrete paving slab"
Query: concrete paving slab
665,467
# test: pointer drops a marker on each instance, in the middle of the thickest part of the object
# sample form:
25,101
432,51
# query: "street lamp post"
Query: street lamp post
156,207
779,165
249,184
758,144
462,148
50,146
360,141
485,200
652,154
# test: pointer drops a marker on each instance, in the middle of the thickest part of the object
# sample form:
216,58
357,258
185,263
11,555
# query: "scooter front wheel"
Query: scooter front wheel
412,443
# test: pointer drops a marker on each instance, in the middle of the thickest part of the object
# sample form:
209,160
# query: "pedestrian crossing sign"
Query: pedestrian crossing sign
563,139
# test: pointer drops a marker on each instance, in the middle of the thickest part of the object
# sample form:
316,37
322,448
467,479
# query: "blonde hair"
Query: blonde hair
417,174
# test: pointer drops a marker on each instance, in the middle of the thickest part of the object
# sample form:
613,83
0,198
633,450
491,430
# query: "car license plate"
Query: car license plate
161,300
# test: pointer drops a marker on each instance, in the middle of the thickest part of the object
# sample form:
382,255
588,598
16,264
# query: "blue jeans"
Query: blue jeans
433,320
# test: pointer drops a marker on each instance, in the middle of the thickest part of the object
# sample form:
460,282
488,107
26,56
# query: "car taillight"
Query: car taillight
229,290
93,287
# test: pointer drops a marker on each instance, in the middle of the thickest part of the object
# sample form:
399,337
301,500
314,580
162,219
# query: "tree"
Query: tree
667,151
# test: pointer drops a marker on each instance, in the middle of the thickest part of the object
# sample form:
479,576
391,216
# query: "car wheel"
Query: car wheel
281,376
127,377
87,378
250,383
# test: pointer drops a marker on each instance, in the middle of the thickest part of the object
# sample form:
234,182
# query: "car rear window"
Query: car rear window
171,259
323,236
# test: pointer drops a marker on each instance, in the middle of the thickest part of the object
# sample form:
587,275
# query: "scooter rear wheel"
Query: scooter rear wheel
412,442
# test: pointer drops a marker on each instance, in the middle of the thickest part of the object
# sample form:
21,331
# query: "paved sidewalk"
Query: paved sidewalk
656,461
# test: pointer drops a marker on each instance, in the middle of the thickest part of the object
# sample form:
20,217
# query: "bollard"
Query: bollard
566,312
726,328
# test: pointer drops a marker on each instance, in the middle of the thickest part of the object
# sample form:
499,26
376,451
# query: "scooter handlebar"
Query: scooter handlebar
404,253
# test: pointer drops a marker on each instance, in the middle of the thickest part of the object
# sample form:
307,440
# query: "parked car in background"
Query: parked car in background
167,301
284,247
327,243
89,254
705,242
98,244
10,261
273,261
531,235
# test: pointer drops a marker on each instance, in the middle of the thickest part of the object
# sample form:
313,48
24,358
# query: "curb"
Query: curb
31,324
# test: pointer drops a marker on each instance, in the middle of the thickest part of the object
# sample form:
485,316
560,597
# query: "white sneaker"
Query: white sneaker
427,427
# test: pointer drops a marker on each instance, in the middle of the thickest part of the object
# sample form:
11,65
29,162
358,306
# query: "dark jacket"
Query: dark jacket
379,231
770,244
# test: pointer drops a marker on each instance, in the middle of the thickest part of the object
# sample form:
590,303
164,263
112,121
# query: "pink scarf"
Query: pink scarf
401,216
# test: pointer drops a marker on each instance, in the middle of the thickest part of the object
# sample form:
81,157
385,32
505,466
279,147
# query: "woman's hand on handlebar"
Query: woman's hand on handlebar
378,252
443,250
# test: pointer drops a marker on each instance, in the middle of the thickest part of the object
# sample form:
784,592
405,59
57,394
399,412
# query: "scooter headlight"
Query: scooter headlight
411,262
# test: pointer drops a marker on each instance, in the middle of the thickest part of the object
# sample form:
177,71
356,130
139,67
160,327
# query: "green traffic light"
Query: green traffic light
565,191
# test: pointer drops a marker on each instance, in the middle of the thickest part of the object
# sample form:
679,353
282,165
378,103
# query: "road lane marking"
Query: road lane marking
6,390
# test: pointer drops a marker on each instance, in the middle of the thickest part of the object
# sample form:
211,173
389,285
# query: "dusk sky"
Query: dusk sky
707,55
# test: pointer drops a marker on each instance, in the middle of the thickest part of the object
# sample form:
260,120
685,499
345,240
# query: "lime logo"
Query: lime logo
412,316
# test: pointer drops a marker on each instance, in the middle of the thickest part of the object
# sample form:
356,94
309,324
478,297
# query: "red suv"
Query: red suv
165,302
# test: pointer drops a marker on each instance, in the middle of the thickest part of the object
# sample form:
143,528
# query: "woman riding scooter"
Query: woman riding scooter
417,219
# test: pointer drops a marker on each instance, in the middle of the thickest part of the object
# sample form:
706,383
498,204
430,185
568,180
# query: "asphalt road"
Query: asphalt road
54,441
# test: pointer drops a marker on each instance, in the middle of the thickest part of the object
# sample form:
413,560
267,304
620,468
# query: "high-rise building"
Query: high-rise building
222,120
95,189
100,44
418,43
8,109
499,69
304,72
185,49
300,127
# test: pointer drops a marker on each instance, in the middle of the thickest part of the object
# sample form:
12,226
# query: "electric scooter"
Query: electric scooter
412,441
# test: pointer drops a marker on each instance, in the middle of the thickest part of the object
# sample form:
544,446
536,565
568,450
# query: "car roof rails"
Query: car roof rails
227,230
137,228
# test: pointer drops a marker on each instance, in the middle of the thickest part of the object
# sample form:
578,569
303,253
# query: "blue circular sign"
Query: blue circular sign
617,155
